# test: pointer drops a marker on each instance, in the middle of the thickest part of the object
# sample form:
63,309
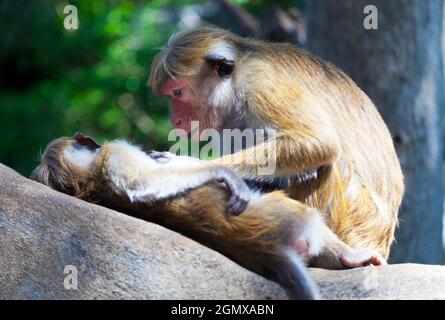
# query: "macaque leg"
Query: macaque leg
338,255
317,243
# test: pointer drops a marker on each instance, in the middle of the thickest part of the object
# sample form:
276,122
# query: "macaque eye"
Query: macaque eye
177,92
220,65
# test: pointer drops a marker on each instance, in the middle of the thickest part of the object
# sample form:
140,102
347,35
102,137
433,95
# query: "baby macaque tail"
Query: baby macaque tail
293,275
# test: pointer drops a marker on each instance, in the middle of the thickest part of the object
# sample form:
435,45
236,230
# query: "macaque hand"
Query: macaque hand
240,193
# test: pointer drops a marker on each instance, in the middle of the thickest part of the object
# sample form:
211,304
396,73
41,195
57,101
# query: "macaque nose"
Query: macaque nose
178,123
177,92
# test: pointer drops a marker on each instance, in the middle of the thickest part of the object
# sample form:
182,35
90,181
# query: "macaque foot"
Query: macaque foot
362,258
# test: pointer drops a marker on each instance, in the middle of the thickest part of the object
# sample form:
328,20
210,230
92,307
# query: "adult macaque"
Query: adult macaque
271,237
324,123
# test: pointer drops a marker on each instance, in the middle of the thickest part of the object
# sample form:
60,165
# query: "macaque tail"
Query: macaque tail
293,275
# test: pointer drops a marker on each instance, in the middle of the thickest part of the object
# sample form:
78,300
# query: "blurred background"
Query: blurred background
54,82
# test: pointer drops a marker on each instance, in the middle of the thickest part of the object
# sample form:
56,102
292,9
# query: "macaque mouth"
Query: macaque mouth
86,142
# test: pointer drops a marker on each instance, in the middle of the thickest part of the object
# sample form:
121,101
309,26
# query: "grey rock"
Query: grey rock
396,281
120,257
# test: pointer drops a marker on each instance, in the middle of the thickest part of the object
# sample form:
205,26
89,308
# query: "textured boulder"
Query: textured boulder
44,233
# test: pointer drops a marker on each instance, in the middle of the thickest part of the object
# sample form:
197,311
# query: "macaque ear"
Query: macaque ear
220,65
86,141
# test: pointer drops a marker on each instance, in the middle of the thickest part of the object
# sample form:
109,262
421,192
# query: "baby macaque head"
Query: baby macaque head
66,162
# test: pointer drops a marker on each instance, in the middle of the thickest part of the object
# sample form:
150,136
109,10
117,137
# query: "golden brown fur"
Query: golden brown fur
323,120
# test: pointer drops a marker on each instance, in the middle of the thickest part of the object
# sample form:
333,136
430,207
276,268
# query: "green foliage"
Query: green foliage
56,82
94,80
259,7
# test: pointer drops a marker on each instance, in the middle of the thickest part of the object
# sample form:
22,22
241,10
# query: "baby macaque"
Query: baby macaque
267,233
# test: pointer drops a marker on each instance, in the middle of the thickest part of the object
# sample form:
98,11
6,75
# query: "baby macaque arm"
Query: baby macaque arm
148,177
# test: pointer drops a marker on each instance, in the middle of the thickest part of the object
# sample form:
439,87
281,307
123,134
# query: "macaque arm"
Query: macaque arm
286,154
305,135
151,177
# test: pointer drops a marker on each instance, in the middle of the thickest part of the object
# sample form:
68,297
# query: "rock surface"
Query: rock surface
119,257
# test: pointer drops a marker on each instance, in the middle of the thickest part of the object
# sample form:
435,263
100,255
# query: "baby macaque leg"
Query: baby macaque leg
315,242
338,255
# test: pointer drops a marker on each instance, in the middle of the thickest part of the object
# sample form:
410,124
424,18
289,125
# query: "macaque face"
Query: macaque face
204,97
186,105
67,163
81,151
